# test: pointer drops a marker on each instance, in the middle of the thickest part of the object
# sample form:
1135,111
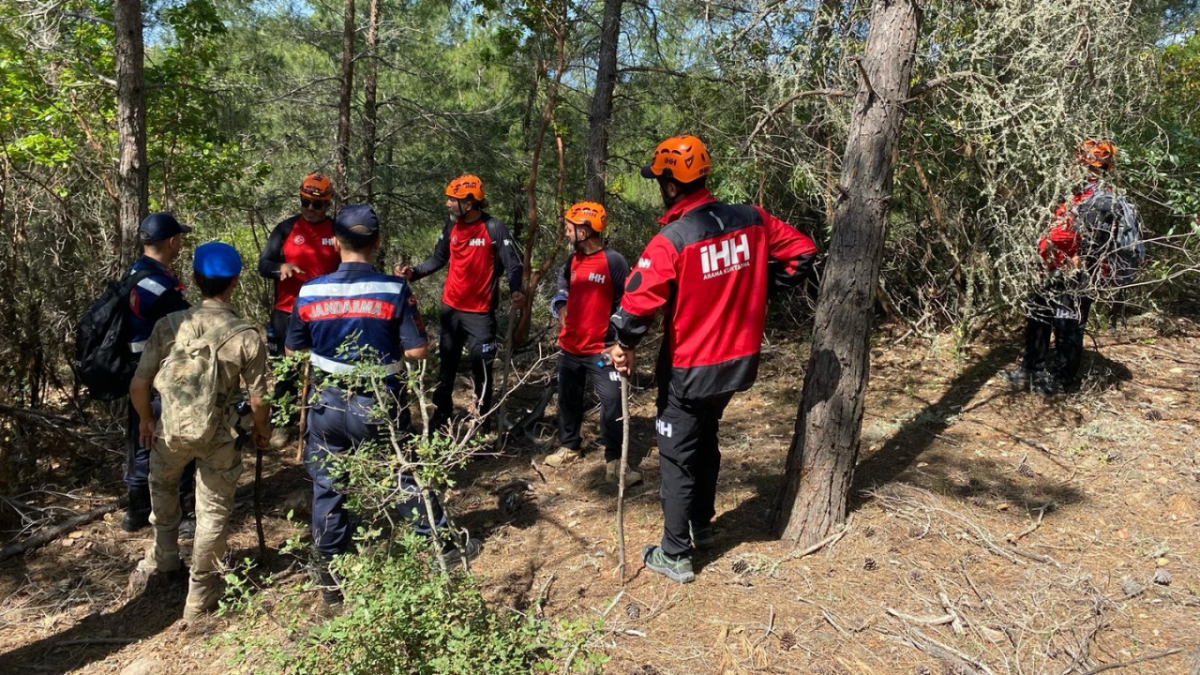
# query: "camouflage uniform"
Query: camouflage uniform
242,361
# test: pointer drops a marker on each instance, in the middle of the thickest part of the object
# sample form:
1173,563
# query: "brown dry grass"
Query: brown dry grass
994,532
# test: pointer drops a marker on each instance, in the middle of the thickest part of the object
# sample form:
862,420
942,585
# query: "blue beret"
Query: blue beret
356,222
217,260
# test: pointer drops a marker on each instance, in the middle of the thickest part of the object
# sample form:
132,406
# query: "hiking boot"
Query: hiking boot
148,577
203,597
676,569
612,474
453,556
187,522
282,437
331,591
137,514
703,537
564,457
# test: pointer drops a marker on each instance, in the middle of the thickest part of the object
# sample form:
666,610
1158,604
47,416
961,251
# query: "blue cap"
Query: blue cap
160,226
217,260
357,223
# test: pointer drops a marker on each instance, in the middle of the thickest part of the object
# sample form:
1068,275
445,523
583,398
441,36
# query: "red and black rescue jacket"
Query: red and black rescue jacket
477,252
590,287
298,242
708,267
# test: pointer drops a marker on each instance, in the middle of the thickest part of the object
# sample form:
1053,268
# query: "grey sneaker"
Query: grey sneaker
1047,384
1018,376
675,569
702,537
454,556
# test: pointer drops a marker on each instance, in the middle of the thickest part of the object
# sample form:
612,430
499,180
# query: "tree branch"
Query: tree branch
831,93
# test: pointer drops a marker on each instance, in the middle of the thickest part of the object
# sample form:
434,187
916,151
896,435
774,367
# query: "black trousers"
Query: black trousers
289,383
476,331
690,461
573,373
1064,317
340,423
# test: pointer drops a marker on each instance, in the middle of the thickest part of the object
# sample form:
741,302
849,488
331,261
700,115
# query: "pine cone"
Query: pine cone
1025,470
869,532
870,565
633,611
787,640
740,566
1153,415
916,574
1162,577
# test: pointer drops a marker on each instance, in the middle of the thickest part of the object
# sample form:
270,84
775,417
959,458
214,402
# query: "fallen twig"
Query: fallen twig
924,621
1132,662
943,652
51,533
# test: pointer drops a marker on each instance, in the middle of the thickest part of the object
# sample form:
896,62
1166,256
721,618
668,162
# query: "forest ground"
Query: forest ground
994,531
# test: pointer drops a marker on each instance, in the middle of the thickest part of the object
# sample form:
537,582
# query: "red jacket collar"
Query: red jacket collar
687,203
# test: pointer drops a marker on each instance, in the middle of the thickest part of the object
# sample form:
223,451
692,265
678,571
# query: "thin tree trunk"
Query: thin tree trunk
530,275
133,195
369,110
602,102
343,132
825,445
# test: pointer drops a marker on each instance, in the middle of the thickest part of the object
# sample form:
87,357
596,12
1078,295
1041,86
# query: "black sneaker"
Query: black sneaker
331,592
453,556
1018,376
137,514
702,537
1047,384
676,569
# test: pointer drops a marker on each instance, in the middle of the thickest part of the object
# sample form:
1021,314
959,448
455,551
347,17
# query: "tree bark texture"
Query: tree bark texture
343,133
602,102
133,194
370,114
824,448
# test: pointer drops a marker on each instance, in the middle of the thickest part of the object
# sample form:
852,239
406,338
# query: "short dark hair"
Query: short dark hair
211,287
363,240
688,188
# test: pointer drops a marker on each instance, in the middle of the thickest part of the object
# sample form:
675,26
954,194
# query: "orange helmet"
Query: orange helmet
1097,153
589,214
683,158
317,186
466,186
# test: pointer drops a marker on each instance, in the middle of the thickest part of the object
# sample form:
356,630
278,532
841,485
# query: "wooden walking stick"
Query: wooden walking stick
258,513
621,477
505,366
303,403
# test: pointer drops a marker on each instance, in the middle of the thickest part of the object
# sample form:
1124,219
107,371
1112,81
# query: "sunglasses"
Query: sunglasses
314,203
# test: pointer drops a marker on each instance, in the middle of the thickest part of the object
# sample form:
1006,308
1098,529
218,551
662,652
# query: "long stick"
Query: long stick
621,477
505,367
258,513
303,403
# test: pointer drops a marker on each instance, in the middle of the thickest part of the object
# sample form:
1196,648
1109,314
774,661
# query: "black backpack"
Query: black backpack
102,359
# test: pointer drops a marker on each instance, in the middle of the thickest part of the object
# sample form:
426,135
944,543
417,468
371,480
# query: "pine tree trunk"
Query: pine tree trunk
343,133
602,102
133,195
369,110
824,448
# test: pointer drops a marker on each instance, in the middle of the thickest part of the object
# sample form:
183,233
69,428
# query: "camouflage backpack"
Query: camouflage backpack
188,380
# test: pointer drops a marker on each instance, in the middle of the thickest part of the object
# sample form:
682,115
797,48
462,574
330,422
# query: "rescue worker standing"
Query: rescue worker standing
478,249
590,285
1073,265
344,319
240,360
156,295
708,269
299,249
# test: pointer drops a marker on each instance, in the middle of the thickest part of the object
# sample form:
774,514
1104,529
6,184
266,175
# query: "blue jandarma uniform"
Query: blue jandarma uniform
353,316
